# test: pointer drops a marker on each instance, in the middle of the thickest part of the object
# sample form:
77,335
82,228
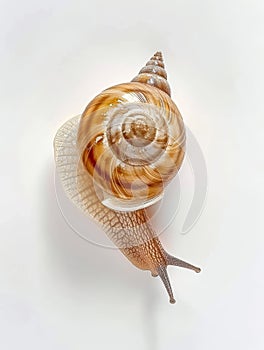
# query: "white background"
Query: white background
58,291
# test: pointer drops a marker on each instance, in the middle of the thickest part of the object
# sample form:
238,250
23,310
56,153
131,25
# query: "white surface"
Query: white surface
60,292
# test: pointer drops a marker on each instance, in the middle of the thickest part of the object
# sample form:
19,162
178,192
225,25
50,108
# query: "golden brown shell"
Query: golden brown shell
131,139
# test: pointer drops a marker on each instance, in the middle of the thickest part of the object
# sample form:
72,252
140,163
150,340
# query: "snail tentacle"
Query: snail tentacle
162,272
177,262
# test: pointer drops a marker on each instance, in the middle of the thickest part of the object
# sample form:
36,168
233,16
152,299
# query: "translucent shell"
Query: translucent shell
131,141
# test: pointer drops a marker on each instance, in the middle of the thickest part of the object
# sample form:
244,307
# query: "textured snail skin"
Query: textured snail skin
141,117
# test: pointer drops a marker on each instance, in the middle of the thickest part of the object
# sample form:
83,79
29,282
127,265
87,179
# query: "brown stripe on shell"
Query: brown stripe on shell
155,63
154,80
154,70
118,179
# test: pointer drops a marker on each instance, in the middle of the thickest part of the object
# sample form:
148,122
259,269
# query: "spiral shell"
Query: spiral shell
131,139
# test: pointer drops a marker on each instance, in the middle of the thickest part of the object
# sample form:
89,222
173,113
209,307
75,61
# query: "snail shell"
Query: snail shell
131,138
117,158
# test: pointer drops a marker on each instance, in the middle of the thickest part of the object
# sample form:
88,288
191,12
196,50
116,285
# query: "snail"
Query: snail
115,160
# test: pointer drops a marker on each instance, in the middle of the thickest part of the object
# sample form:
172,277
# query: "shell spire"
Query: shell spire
154,74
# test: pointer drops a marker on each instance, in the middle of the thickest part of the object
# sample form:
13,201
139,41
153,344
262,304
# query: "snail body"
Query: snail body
116,159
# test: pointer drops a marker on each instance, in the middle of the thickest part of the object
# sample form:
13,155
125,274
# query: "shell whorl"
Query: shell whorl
131,140
154,74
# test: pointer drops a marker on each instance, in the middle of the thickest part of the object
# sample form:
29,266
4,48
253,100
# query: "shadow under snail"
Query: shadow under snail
115,160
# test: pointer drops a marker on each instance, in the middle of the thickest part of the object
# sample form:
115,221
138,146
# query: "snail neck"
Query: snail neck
154,74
